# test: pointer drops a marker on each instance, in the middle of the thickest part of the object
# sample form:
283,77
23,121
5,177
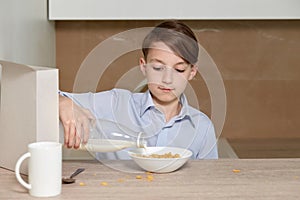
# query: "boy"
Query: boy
162,113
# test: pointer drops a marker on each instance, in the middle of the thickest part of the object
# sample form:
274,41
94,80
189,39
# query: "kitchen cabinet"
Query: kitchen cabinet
170,9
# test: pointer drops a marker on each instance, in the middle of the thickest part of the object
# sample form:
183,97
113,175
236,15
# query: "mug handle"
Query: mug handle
17,170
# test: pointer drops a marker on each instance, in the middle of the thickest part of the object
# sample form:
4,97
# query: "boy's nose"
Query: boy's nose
167,75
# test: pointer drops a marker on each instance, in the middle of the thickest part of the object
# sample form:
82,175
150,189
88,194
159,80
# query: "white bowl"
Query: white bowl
160,165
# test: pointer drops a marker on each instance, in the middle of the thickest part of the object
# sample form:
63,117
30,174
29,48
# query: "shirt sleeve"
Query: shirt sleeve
209,149
100,104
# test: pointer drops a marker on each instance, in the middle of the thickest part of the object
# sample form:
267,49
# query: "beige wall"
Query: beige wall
26,35
258,61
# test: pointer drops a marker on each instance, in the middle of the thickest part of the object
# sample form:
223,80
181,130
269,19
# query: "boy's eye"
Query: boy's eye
161,67
158,67
180,70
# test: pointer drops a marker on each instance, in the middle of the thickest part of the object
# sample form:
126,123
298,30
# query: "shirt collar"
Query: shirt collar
184,113
148,102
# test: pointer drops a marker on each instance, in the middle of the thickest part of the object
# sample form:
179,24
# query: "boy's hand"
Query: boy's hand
76,122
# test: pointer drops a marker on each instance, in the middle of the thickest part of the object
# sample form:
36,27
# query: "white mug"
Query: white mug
44,169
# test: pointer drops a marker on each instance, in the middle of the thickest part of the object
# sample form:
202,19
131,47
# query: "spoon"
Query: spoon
68,180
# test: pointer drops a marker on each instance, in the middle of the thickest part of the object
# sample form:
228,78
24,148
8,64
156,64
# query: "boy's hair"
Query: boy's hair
177,36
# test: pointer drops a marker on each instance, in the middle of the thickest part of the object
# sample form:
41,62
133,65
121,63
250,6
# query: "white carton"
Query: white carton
28,109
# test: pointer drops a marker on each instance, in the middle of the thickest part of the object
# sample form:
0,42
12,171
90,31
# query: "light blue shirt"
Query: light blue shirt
191,129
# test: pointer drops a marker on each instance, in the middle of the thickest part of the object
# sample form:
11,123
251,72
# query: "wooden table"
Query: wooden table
207,179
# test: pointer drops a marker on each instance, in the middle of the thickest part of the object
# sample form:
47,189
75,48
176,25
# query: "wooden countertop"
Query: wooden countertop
204,179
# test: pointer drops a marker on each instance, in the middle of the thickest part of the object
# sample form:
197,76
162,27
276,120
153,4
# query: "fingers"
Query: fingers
72,135
77,139
76,121
76,131
66,134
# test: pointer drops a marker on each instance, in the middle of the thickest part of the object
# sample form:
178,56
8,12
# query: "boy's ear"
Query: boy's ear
193,72
142,63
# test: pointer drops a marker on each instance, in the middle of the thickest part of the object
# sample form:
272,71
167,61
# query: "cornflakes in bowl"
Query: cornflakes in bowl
160,159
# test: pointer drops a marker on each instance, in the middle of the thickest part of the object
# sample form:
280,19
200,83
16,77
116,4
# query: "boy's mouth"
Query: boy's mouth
164,89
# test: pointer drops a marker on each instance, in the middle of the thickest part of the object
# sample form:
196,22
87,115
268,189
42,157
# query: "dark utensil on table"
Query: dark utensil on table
71,179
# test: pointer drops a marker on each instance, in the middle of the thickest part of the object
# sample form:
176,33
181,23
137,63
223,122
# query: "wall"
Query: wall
258,61
26,35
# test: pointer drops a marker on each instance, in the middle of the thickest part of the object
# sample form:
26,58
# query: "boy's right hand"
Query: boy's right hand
76,122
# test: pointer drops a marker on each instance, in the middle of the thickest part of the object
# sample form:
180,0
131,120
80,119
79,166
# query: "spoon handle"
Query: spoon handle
78,171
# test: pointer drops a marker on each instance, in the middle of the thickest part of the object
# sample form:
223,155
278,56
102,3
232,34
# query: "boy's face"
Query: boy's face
167,74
